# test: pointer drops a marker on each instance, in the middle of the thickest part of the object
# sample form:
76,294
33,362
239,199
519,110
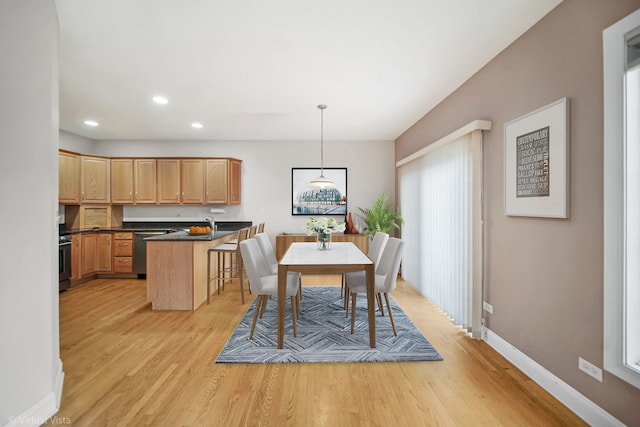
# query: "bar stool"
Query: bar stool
234,271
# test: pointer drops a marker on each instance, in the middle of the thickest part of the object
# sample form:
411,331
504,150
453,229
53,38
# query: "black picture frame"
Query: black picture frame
312,202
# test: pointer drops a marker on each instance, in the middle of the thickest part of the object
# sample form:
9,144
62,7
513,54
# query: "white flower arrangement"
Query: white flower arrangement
324,225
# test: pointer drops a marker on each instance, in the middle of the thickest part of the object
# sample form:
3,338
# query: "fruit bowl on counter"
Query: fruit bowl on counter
195,230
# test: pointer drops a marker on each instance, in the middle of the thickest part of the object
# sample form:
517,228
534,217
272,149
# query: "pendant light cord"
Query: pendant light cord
322,107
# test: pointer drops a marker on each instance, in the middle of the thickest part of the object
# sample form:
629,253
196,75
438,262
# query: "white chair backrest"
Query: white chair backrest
254,264
377,246
390,263
266,247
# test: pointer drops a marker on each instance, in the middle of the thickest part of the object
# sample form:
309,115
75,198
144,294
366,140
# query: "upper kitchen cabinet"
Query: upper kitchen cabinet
216,184
192,182
235,181
133,181
144,181
68,178
95,179
90,180
122,181
168,181
222,181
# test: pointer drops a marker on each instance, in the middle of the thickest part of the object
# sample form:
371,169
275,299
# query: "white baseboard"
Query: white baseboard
591,413
42,411
57,387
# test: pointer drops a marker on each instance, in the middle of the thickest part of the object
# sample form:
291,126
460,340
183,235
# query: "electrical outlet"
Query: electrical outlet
487,307
590,369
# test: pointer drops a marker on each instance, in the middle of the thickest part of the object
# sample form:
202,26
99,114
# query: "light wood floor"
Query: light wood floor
125,364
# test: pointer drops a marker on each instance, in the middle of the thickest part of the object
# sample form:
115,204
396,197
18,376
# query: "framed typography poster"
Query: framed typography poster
536,163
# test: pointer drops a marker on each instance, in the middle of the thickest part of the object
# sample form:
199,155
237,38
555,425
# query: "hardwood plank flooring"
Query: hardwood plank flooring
126,364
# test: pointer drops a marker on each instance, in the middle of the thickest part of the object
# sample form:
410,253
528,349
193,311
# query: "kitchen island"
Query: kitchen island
177,268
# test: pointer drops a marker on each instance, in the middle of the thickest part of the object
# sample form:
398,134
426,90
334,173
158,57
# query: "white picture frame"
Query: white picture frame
536,163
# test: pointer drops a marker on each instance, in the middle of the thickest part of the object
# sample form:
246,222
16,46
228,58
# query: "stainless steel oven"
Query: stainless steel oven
64,262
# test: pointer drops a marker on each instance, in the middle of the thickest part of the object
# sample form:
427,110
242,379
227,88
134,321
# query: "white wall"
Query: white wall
266,175
76,143
30,367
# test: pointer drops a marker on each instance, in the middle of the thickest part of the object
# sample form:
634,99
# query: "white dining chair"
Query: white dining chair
270,257
374,253
267,251
385,278
264,283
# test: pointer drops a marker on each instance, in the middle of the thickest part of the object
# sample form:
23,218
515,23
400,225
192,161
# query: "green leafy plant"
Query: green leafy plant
380,217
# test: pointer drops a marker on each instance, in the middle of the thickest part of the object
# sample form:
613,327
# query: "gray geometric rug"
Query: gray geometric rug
324,334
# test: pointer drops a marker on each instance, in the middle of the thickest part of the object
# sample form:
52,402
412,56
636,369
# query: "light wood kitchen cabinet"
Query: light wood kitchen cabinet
122,252
168,181
68,178
122,181
96,253
235,177
222,181
89,254
95,181
133,181
104,254
216,182
192,181
144,181
76,257
85,179
83,217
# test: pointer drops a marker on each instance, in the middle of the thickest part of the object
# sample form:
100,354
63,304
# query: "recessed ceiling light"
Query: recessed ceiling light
196,125
91,123
160,99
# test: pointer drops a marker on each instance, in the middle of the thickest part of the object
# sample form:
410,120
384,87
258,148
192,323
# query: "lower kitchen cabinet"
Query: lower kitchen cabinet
96,253
104,254
89,255
76,257
123,252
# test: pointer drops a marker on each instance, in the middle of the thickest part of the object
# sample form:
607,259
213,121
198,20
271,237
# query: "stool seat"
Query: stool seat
234,271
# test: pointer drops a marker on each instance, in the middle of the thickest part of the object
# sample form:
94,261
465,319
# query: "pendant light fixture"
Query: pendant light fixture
322,181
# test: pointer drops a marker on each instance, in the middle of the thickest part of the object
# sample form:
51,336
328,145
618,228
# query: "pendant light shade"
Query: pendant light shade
322,181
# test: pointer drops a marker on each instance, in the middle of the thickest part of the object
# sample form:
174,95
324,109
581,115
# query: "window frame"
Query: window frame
614,60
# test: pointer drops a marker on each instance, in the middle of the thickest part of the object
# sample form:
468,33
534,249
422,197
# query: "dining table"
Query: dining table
342,257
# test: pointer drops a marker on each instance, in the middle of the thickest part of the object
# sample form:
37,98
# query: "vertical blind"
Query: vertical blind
436,201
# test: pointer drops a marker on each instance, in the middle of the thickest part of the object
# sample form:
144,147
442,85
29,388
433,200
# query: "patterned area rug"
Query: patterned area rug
323,334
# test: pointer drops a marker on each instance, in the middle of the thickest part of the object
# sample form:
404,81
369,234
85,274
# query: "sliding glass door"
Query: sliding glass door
438,201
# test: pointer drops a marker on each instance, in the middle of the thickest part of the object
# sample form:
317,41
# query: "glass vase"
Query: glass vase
324,241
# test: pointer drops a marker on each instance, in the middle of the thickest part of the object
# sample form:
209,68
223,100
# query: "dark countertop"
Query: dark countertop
168,226
185,236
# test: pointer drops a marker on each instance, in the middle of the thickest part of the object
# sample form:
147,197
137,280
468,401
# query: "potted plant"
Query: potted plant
380,217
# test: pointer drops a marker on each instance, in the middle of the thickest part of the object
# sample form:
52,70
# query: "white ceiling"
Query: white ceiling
256,70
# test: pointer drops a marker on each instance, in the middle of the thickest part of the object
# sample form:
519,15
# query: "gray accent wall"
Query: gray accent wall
544,277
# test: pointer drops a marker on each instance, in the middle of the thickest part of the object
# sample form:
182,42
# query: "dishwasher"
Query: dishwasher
140,251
